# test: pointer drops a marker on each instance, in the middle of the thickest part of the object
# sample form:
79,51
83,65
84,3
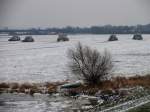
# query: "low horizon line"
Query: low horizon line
45,27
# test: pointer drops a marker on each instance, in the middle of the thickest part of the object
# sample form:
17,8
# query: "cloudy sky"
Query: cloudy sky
61,13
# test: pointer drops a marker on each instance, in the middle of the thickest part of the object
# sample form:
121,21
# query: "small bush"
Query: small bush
90,65
137,37
14,38
113,38
28,39
62,37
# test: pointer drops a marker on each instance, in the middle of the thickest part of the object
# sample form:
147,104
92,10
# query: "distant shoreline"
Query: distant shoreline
107,29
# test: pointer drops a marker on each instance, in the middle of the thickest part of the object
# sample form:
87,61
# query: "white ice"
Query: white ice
46,60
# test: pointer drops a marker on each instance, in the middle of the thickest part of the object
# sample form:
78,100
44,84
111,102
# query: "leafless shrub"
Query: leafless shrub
137,37
113,38
62,37
90,65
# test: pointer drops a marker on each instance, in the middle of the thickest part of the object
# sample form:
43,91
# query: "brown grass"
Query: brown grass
14,85
114,84
30,88
4,85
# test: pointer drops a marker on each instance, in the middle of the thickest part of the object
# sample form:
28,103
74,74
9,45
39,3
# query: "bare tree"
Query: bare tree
90,65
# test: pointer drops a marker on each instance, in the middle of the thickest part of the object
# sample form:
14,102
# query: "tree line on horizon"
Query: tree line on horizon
107,29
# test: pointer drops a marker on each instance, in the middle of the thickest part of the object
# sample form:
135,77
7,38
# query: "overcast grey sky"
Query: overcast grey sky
61,13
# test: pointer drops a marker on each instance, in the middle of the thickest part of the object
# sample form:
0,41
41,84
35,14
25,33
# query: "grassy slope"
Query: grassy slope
143,108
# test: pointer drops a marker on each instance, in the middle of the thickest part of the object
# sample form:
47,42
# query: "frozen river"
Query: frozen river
38,103
46,60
